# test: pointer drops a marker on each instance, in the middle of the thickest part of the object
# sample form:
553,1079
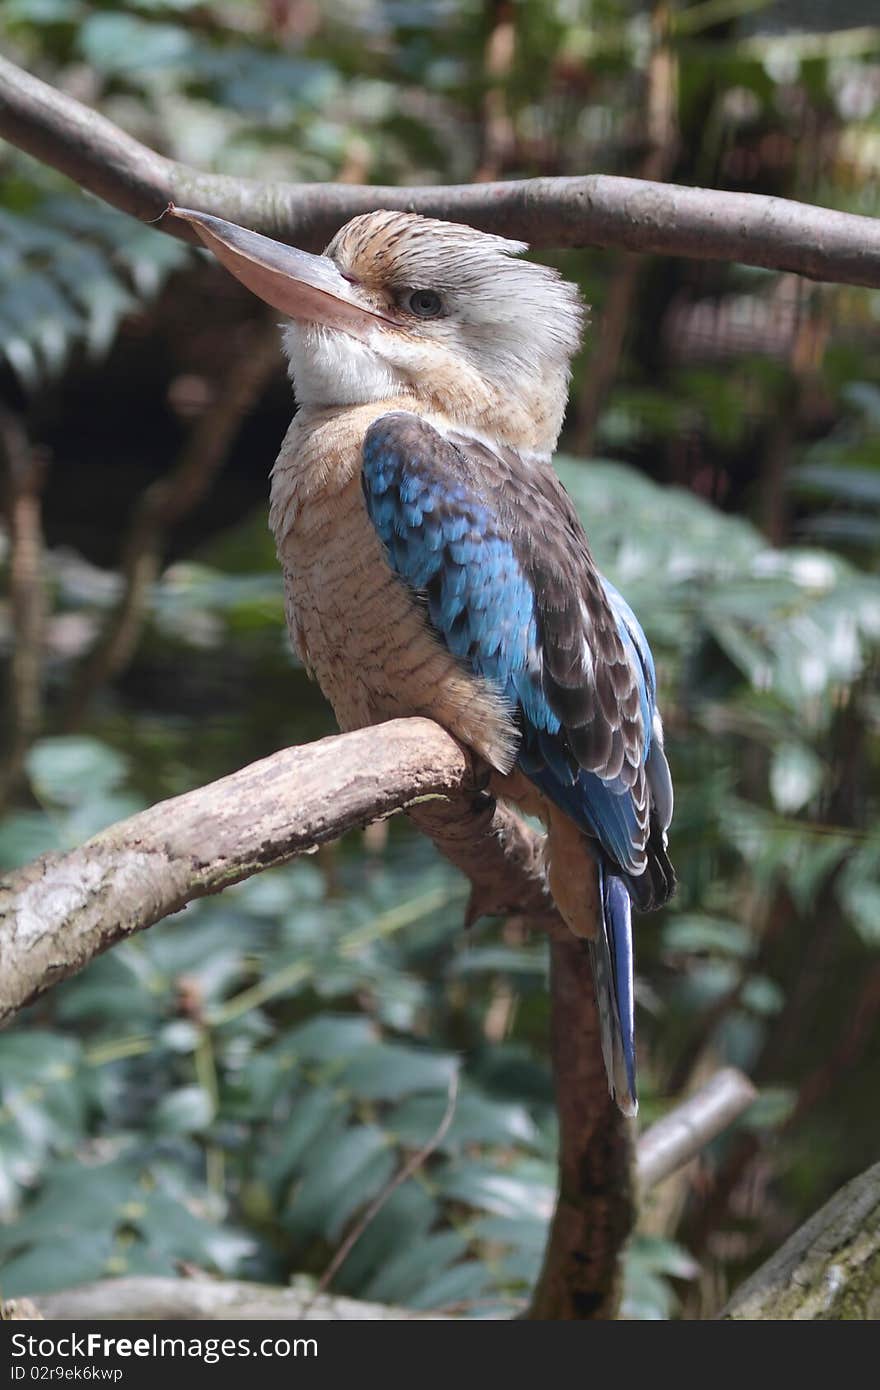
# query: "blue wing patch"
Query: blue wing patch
494,549
444,541
456,549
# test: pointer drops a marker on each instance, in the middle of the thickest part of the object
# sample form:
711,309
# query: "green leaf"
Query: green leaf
36,1056
386,1071
288,1145
70,770
400,1224
795,776
25,835
75,1198
504,1194
188,1110
330,1037
360,1162
476,1120
695,932
477,960
63,1262
527,1233
860,892
413,1265
122,44
463,1283
173,1233
762,995
772,1108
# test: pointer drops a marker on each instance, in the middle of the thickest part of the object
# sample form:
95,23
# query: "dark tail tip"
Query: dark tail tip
612,960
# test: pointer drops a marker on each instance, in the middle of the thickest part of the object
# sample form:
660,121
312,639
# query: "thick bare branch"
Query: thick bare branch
828,1270
596,210
186,1300
60,911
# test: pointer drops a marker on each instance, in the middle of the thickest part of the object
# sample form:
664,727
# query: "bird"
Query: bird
435,565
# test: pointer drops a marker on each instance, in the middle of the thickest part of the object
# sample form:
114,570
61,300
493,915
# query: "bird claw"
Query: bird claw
481,777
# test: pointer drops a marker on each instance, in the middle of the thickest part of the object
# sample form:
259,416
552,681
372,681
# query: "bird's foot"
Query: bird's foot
481,777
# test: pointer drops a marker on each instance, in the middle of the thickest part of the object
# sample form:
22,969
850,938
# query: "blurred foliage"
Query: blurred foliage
230,1090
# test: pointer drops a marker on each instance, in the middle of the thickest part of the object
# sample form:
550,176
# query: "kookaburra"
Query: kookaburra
434,564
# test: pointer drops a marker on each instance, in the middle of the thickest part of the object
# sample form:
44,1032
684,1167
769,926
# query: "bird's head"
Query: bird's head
403,305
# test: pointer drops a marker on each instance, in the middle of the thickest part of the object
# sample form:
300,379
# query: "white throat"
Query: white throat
331,368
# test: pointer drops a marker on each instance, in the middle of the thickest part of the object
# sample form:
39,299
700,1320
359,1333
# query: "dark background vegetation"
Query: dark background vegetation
229,1090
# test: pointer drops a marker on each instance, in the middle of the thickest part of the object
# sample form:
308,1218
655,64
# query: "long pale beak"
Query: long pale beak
304,287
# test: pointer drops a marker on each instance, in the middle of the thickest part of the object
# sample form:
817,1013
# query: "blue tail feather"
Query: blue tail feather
612,960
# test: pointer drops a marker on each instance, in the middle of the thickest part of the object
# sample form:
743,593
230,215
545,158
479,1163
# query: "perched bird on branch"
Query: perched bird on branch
434,564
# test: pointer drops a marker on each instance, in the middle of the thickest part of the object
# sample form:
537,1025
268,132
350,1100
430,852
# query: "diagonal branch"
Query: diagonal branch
685,1131
61,911
829,1270
596,210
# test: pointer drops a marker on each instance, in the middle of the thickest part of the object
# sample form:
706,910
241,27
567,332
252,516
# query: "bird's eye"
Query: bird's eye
425,304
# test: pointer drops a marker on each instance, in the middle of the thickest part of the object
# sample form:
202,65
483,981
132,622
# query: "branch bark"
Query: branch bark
61,911
828,1270
595,1207
154,1299
679,1136
596,210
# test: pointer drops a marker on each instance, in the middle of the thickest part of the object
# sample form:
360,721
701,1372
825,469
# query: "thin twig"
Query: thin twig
163,505
412,1165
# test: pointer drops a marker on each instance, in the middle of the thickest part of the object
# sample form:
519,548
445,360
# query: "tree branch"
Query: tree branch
679,1136
828,1270
156,1299
595,1207
596,210
60,911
